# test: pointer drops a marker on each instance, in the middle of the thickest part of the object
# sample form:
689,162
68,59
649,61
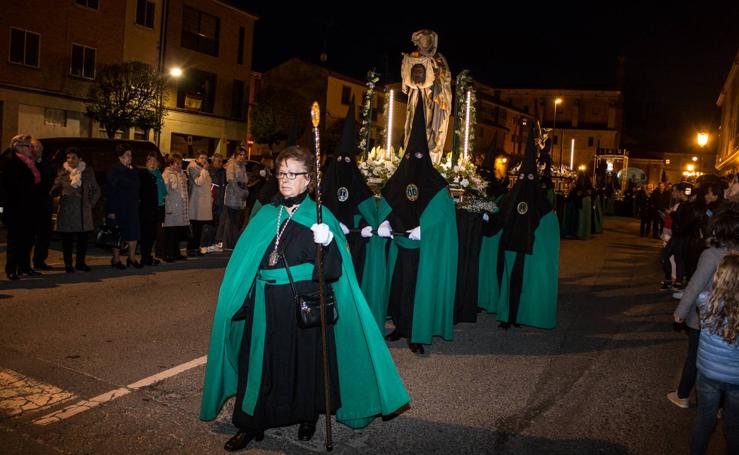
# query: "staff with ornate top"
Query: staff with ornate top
315,114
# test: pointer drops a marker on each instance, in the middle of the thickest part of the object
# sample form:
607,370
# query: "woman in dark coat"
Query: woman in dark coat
153,194
123,205
79,192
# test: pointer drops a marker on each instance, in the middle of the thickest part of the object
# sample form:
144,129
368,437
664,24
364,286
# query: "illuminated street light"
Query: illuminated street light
175,71
691,167
702,139
581,167
695,158
558,101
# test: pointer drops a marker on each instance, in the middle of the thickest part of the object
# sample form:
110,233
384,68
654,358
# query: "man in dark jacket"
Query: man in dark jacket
657,207
45,207
22,184
642,207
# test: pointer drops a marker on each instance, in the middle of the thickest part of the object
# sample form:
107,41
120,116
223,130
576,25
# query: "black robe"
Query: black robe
292,376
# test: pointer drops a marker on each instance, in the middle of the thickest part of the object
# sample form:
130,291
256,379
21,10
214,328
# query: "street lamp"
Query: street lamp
702,139
174,72
557,102
695,158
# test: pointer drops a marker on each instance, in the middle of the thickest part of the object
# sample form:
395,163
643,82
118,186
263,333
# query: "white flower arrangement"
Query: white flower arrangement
380,165
463,174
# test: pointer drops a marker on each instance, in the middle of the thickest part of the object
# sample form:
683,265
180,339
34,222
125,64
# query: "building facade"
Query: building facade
727,151
54,50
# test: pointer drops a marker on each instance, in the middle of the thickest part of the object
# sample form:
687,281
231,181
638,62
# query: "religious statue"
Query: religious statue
426,77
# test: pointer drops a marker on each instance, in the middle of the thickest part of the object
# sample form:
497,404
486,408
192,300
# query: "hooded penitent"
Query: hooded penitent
343,186
529,249
415,181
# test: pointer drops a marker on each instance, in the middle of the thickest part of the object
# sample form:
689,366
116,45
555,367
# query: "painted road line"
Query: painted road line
19,394
86,405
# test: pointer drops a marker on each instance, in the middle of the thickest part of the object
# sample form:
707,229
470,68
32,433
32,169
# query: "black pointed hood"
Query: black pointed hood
415,182
525,204
343,186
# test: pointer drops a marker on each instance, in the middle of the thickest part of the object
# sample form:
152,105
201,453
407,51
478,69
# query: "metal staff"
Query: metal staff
315,114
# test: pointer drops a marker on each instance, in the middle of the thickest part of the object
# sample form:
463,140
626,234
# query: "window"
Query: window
197,91
145,13
140,134
83,62
590,141
24,47
93,4
240,56
55,117
346,94
237,99
200,31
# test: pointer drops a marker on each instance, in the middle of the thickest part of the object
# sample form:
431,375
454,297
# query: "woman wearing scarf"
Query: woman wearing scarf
176,217
259,353
79,192
232,219
153,194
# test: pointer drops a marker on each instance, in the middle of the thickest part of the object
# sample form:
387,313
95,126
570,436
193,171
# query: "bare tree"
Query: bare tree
125,95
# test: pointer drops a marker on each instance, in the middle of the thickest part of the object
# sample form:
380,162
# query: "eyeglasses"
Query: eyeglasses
289,175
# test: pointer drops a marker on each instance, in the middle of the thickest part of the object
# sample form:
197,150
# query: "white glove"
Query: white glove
485,217
384,230
344,229
322,234
366,232
415,233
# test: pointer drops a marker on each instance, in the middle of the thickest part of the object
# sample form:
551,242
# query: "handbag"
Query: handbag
308,306
108,236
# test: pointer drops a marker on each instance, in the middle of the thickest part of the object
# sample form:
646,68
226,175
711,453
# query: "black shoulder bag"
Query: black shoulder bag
308,306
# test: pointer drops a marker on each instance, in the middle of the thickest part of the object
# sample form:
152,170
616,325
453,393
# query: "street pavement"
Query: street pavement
112,362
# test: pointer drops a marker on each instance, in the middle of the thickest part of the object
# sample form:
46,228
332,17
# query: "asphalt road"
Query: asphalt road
595,384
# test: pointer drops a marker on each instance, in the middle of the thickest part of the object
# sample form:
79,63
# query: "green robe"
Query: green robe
368,380
374,276
538,304
255,209
584,219
436,283
597,215
487,288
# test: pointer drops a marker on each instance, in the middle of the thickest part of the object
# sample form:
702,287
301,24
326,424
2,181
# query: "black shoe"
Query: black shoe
43,266
12,276
393,336
83,267
117,265
241,439
504,325
69,269
133,263
150,261
29,272
306,431
416,348
665,285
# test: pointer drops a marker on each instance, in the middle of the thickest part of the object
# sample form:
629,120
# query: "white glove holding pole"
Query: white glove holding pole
367,232
344,229
322,234
385,230
415,233
485,217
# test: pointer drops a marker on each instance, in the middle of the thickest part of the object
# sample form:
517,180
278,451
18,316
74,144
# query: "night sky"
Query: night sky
676,58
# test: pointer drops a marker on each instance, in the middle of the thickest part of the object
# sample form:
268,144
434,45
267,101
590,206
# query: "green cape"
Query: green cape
538,304
255,209
487,288
433,310
374,275
368,380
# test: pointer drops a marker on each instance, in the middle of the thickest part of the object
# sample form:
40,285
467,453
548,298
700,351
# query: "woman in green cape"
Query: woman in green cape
257,350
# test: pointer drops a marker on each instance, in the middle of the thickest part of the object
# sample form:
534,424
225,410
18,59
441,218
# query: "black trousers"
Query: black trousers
193,242
172,236
690,371
68,239
657,222
43,236
646,224
19,246
150,233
